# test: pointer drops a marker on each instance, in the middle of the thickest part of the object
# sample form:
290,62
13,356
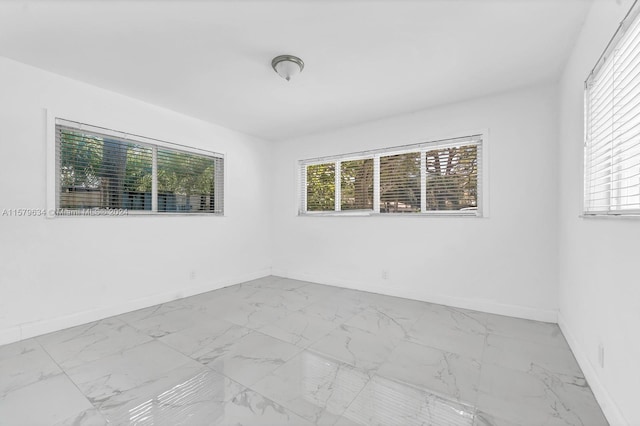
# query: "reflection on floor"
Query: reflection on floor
282,352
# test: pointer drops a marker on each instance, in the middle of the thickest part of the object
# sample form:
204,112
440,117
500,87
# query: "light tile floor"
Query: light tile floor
283,352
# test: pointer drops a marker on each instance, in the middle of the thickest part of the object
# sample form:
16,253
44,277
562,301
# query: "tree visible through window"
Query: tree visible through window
435,177
357,184
97,171
452,178
321,187
103,173
400,183
185,181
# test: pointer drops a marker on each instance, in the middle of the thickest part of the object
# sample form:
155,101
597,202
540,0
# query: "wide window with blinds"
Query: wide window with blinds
441,177
101,170
612,125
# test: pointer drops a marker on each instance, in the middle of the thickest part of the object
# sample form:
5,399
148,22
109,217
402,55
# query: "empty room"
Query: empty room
349,213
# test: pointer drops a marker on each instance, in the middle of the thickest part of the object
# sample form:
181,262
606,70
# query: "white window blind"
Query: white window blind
186,181
356,184
321,189
612,125
100,170
440,177
400,183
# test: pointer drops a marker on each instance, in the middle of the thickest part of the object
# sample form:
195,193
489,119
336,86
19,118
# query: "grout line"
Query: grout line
369,305
64,371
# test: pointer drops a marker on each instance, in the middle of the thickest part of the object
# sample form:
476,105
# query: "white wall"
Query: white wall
506,263
599,281
59,272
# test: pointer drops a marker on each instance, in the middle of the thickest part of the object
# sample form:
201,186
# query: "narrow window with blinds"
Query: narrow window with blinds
356,184
103,170
321,187
452,178
400,190
612,125
440,177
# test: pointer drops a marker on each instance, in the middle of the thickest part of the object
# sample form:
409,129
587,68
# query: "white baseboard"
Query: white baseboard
10,334
483,305
37,328
608,405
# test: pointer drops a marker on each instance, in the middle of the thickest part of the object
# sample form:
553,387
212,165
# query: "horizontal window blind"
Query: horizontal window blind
186,182
356,184
400,183
612,125
440,177
321,187
452,178
98,170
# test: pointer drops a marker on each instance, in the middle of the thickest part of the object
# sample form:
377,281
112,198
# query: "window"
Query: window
439,177
612,126
321,194
102,170
186,181
400,190
356,184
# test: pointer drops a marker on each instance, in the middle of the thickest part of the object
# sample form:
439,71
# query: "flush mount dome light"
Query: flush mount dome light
287,66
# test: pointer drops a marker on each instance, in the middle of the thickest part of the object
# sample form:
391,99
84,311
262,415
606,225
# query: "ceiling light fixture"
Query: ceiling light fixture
287,66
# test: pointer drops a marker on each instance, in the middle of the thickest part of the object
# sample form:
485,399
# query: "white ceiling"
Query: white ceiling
363,59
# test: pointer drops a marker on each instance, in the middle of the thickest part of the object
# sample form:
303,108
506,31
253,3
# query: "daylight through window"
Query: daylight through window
440,177
98,169
612,126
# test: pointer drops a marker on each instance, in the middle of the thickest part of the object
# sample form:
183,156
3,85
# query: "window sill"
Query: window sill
108,213
610,216
373,214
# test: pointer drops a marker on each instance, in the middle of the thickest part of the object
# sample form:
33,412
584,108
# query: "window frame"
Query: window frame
53,178
588,209
479,138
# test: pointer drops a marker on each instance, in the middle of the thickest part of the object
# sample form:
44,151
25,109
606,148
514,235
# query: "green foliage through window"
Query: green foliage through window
400,183
429,179
321,187
185,181
102,172
452,178
356,178
97,172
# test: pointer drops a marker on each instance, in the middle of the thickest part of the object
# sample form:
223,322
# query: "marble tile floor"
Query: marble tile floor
276,351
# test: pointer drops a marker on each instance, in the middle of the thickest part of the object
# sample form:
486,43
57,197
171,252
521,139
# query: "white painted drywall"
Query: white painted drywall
599,284
59,272
506,263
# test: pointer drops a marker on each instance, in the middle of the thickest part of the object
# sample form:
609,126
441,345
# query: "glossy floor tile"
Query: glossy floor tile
277,351
316,387
453,376
391,403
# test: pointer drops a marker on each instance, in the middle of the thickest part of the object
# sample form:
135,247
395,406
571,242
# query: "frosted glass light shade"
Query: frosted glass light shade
287,66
